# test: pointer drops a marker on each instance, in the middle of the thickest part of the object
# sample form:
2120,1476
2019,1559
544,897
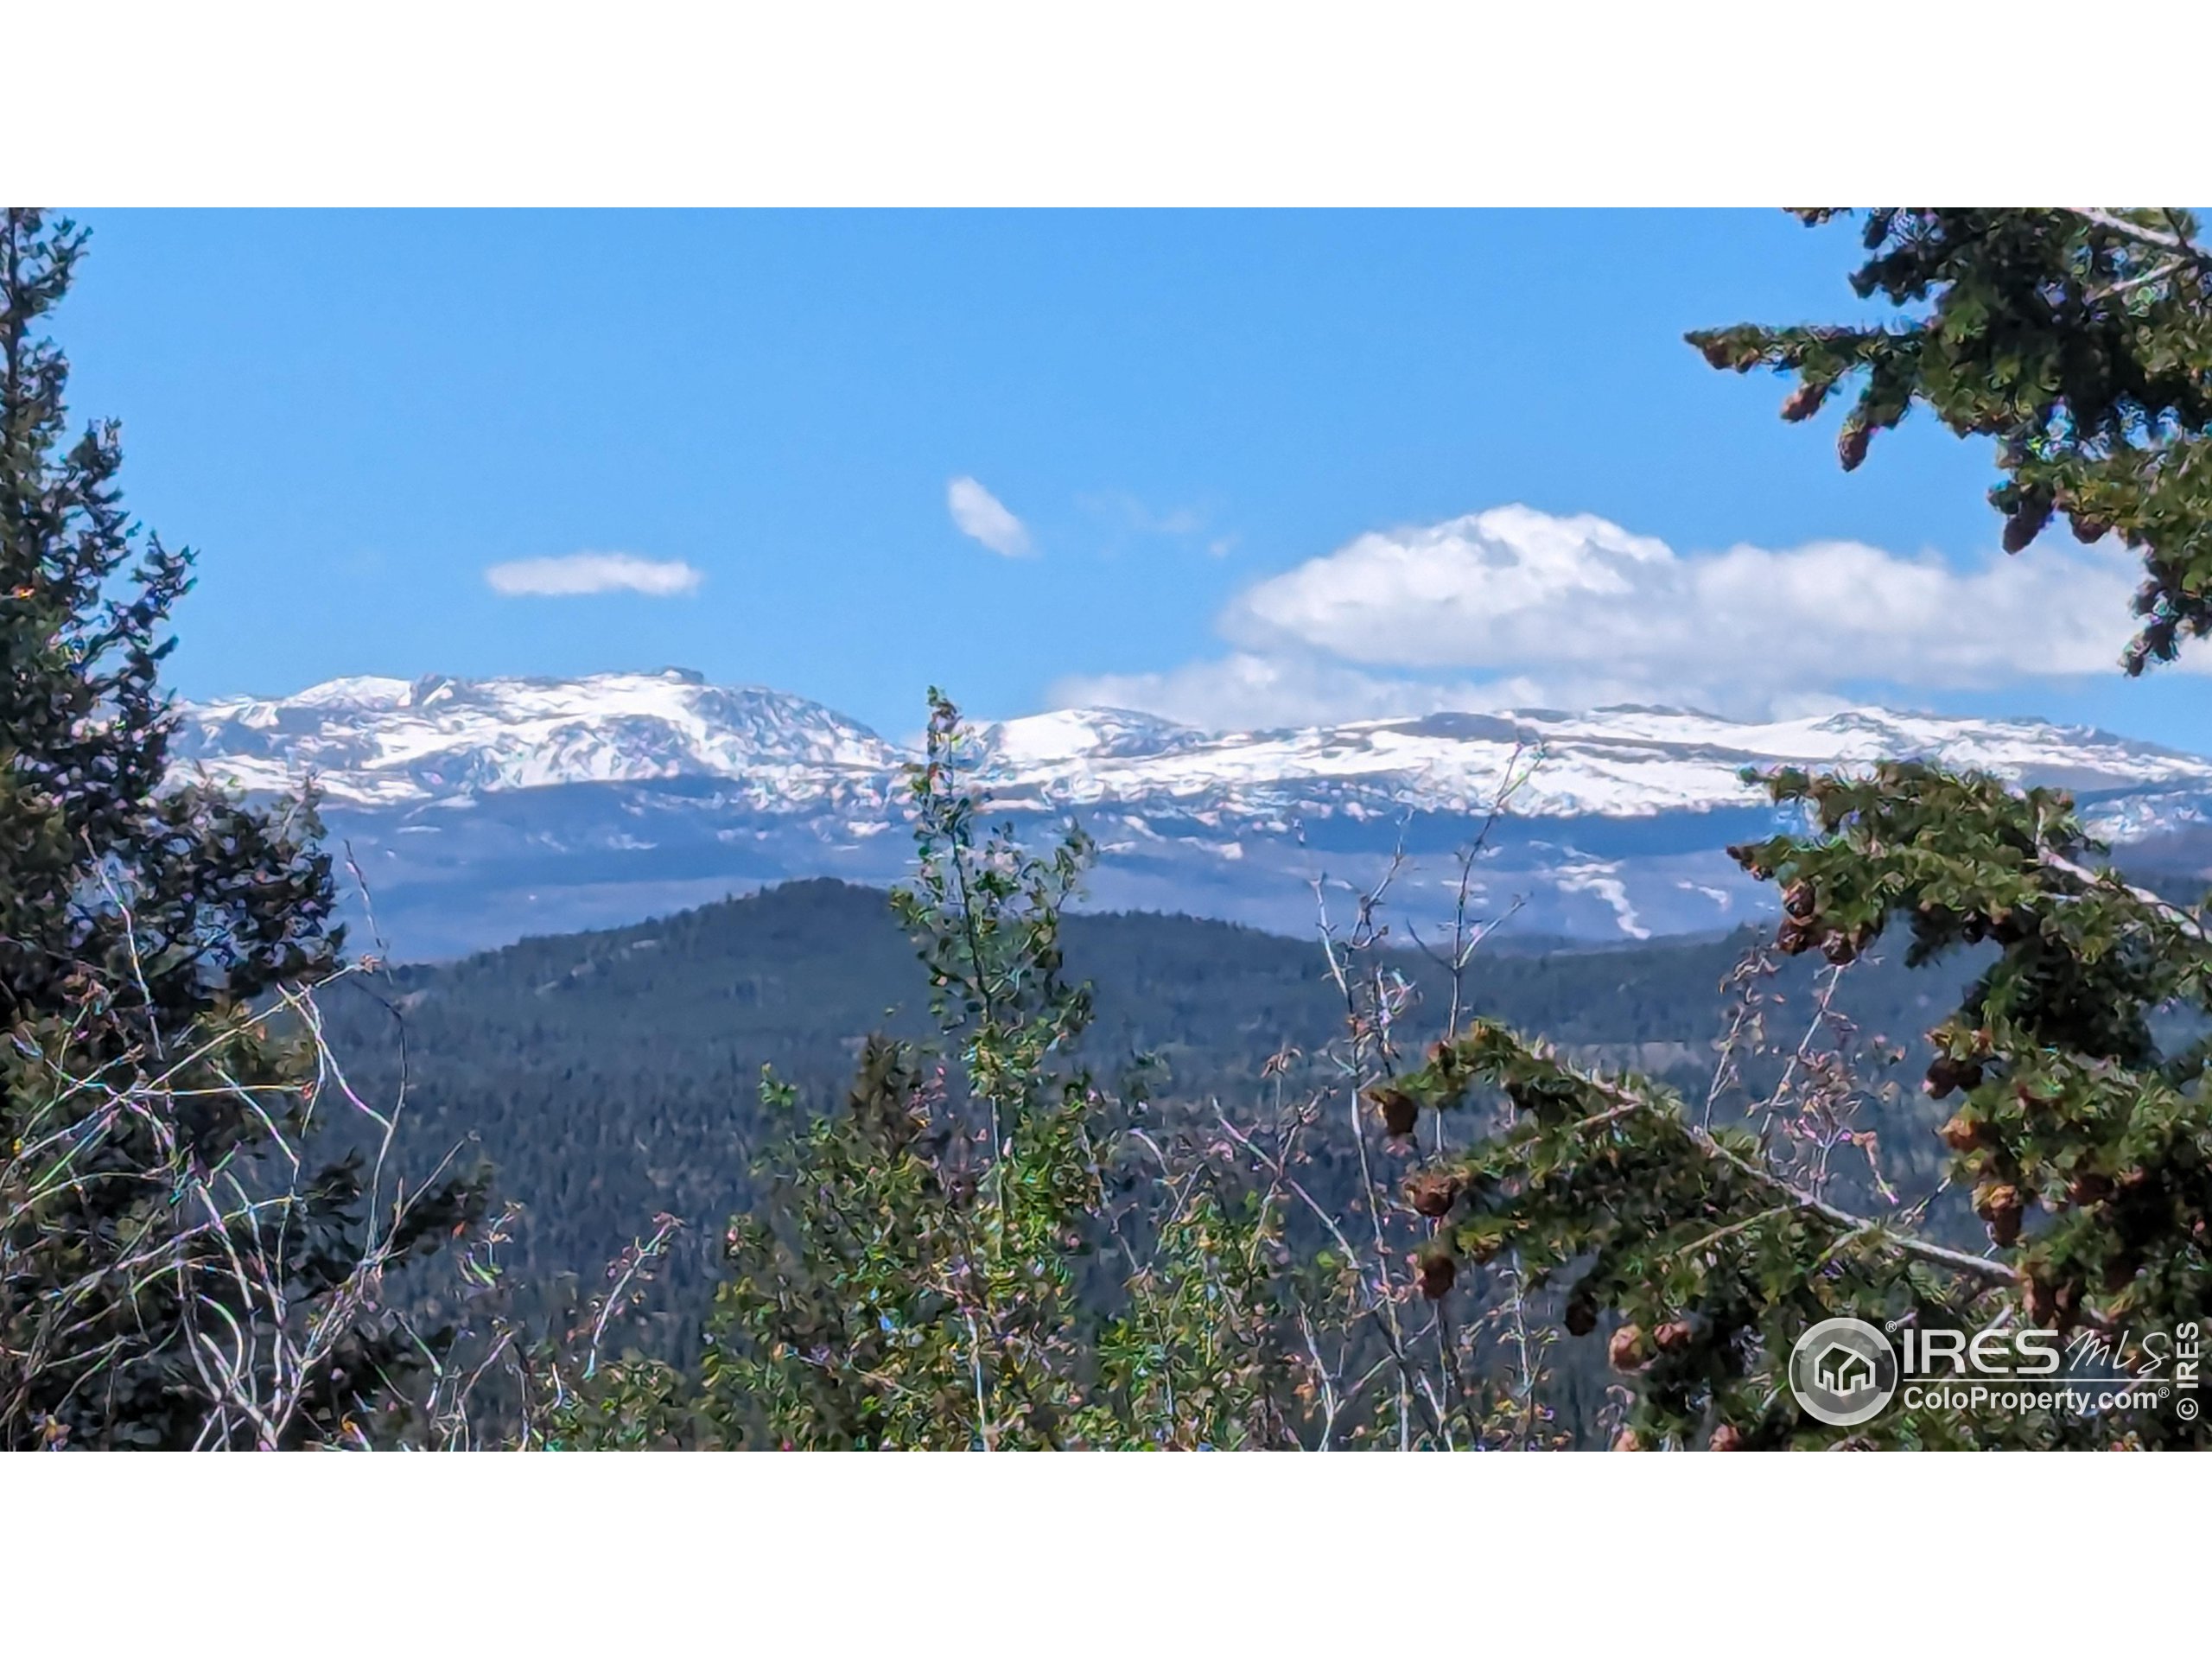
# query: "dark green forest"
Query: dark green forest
606,1077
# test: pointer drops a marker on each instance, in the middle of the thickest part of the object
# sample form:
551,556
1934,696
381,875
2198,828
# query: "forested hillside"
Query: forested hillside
609,1077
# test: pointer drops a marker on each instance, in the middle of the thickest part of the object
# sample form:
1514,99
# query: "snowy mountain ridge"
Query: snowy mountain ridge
488,807
387,742
1630,762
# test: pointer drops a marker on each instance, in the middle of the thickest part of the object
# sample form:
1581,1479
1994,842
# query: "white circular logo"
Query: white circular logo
1843,1372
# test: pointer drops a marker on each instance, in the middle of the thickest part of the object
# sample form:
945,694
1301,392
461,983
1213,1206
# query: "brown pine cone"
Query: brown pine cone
1400,1111
1432,1192
1625,1351
2000,1206
1438,1272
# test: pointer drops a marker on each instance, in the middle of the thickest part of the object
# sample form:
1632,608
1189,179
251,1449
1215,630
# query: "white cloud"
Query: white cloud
593,572
983,518
1514,589
1514,608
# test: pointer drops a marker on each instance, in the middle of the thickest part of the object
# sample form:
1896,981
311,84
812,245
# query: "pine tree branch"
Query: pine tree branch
1993,1273
1627,1102
2172,241
2186,920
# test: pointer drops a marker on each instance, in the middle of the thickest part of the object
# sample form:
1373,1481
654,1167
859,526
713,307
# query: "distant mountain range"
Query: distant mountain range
480,811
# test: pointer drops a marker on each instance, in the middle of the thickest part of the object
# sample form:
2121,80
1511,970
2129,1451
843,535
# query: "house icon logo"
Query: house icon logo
1843,1372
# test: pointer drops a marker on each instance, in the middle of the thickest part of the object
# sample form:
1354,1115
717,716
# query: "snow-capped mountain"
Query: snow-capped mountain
379,742
481,811
1623,762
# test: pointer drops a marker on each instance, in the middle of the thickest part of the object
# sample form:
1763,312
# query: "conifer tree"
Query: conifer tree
149,1266
2081,341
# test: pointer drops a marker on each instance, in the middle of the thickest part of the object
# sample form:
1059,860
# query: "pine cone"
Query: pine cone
1960,1134
1438,1273
1432,1192
2024,526
1400,1111
2000,1207
2088,1187
1625,1351
1723,351
1946,1074
1794,938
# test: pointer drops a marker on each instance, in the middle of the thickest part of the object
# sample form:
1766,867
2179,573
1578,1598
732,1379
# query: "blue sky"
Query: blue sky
1229,461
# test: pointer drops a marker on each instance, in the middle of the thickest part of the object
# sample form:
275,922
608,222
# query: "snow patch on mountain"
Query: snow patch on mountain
494,807
1629,762
390,742
1605,880
387,742
1082,735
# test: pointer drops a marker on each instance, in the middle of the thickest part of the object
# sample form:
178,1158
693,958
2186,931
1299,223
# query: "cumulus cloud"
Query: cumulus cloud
983,516
1513,608
593,572
1514,589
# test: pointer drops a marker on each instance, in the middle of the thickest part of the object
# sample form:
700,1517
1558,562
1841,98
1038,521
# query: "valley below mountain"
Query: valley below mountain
608,1077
